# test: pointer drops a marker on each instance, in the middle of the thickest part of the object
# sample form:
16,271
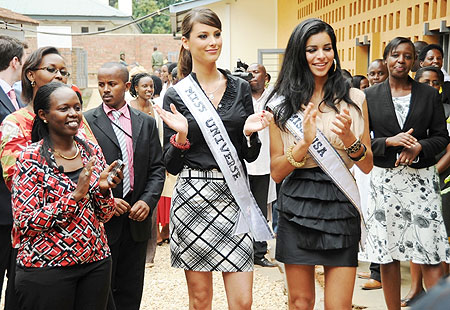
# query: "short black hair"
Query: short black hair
394,43
124,75
426,49
157,84
356,81
438,71
174,72
9,48
170,66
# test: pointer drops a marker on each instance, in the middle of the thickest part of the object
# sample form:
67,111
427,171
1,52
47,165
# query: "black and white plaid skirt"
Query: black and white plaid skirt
202,218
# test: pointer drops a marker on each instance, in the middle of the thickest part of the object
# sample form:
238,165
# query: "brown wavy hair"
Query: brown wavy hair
202,16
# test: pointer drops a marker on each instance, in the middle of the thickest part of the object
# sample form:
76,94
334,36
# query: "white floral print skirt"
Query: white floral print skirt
404,218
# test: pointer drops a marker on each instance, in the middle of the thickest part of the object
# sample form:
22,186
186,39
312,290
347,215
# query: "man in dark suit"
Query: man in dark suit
12,57
128,134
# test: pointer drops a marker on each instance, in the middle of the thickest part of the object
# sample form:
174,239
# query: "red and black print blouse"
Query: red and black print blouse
51,227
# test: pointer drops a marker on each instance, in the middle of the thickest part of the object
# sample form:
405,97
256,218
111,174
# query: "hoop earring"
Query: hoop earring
33,83
335,65
45,121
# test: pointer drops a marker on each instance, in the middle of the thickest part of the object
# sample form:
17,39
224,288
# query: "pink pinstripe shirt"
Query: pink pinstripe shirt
125,122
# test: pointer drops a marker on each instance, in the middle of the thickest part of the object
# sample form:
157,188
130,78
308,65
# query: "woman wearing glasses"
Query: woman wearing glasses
43,66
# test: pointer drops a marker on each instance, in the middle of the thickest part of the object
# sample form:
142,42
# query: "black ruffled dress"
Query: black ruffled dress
317,223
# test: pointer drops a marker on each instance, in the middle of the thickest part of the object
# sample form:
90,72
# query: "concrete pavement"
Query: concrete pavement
362,299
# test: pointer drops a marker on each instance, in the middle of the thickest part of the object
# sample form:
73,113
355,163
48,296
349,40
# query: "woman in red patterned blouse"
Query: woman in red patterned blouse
61,195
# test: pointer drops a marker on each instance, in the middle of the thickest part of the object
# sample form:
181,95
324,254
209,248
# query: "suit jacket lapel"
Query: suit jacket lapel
136,125
103,122
6,102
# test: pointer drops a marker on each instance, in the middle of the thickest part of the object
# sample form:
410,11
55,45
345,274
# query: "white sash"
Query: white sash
250,216
328,159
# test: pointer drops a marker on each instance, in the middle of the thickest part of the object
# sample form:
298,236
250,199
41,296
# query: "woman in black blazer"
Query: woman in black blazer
404,212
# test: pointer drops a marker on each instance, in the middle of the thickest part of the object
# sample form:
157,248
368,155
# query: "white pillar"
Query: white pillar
126,6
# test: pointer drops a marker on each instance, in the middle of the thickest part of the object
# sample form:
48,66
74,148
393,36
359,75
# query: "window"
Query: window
425,11
434,9
101,28
416,14
408,16
443,8
84,29
397,19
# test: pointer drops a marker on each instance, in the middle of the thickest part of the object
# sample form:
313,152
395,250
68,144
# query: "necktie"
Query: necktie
123,148
12,97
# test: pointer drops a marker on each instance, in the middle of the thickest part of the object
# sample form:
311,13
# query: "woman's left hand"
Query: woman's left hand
257,122
408,155
342,124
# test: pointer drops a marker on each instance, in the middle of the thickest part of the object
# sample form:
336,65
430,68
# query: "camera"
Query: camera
240,71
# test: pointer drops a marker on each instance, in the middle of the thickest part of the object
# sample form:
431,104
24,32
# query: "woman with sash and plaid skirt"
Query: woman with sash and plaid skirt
204,211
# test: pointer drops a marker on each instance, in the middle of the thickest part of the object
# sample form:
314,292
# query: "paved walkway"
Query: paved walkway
362,299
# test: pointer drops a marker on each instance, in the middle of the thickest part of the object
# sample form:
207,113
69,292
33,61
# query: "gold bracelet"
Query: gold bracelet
360,157
291,160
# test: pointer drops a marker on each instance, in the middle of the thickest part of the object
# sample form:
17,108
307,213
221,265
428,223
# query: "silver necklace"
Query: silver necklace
211,94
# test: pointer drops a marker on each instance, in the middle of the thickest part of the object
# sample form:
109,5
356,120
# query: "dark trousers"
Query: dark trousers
80,287
8,266
375,271
127,272
259,185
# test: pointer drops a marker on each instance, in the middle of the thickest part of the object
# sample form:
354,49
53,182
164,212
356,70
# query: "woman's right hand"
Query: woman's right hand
309,124
105,184
404,139
84,180
175,120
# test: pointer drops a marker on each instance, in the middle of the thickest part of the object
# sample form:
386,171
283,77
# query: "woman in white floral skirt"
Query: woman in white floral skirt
404,211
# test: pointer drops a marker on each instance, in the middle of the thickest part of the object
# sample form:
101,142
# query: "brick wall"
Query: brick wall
104,48
138,48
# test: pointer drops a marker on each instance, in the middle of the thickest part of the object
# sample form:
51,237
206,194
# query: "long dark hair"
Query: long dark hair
42,101
202,16
32,63
296,82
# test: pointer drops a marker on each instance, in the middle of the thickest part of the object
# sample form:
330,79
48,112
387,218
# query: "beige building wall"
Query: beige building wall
364,27
247,25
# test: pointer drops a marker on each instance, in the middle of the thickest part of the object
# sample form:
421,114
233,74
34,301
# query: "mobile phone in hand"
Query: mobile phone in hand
113,173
